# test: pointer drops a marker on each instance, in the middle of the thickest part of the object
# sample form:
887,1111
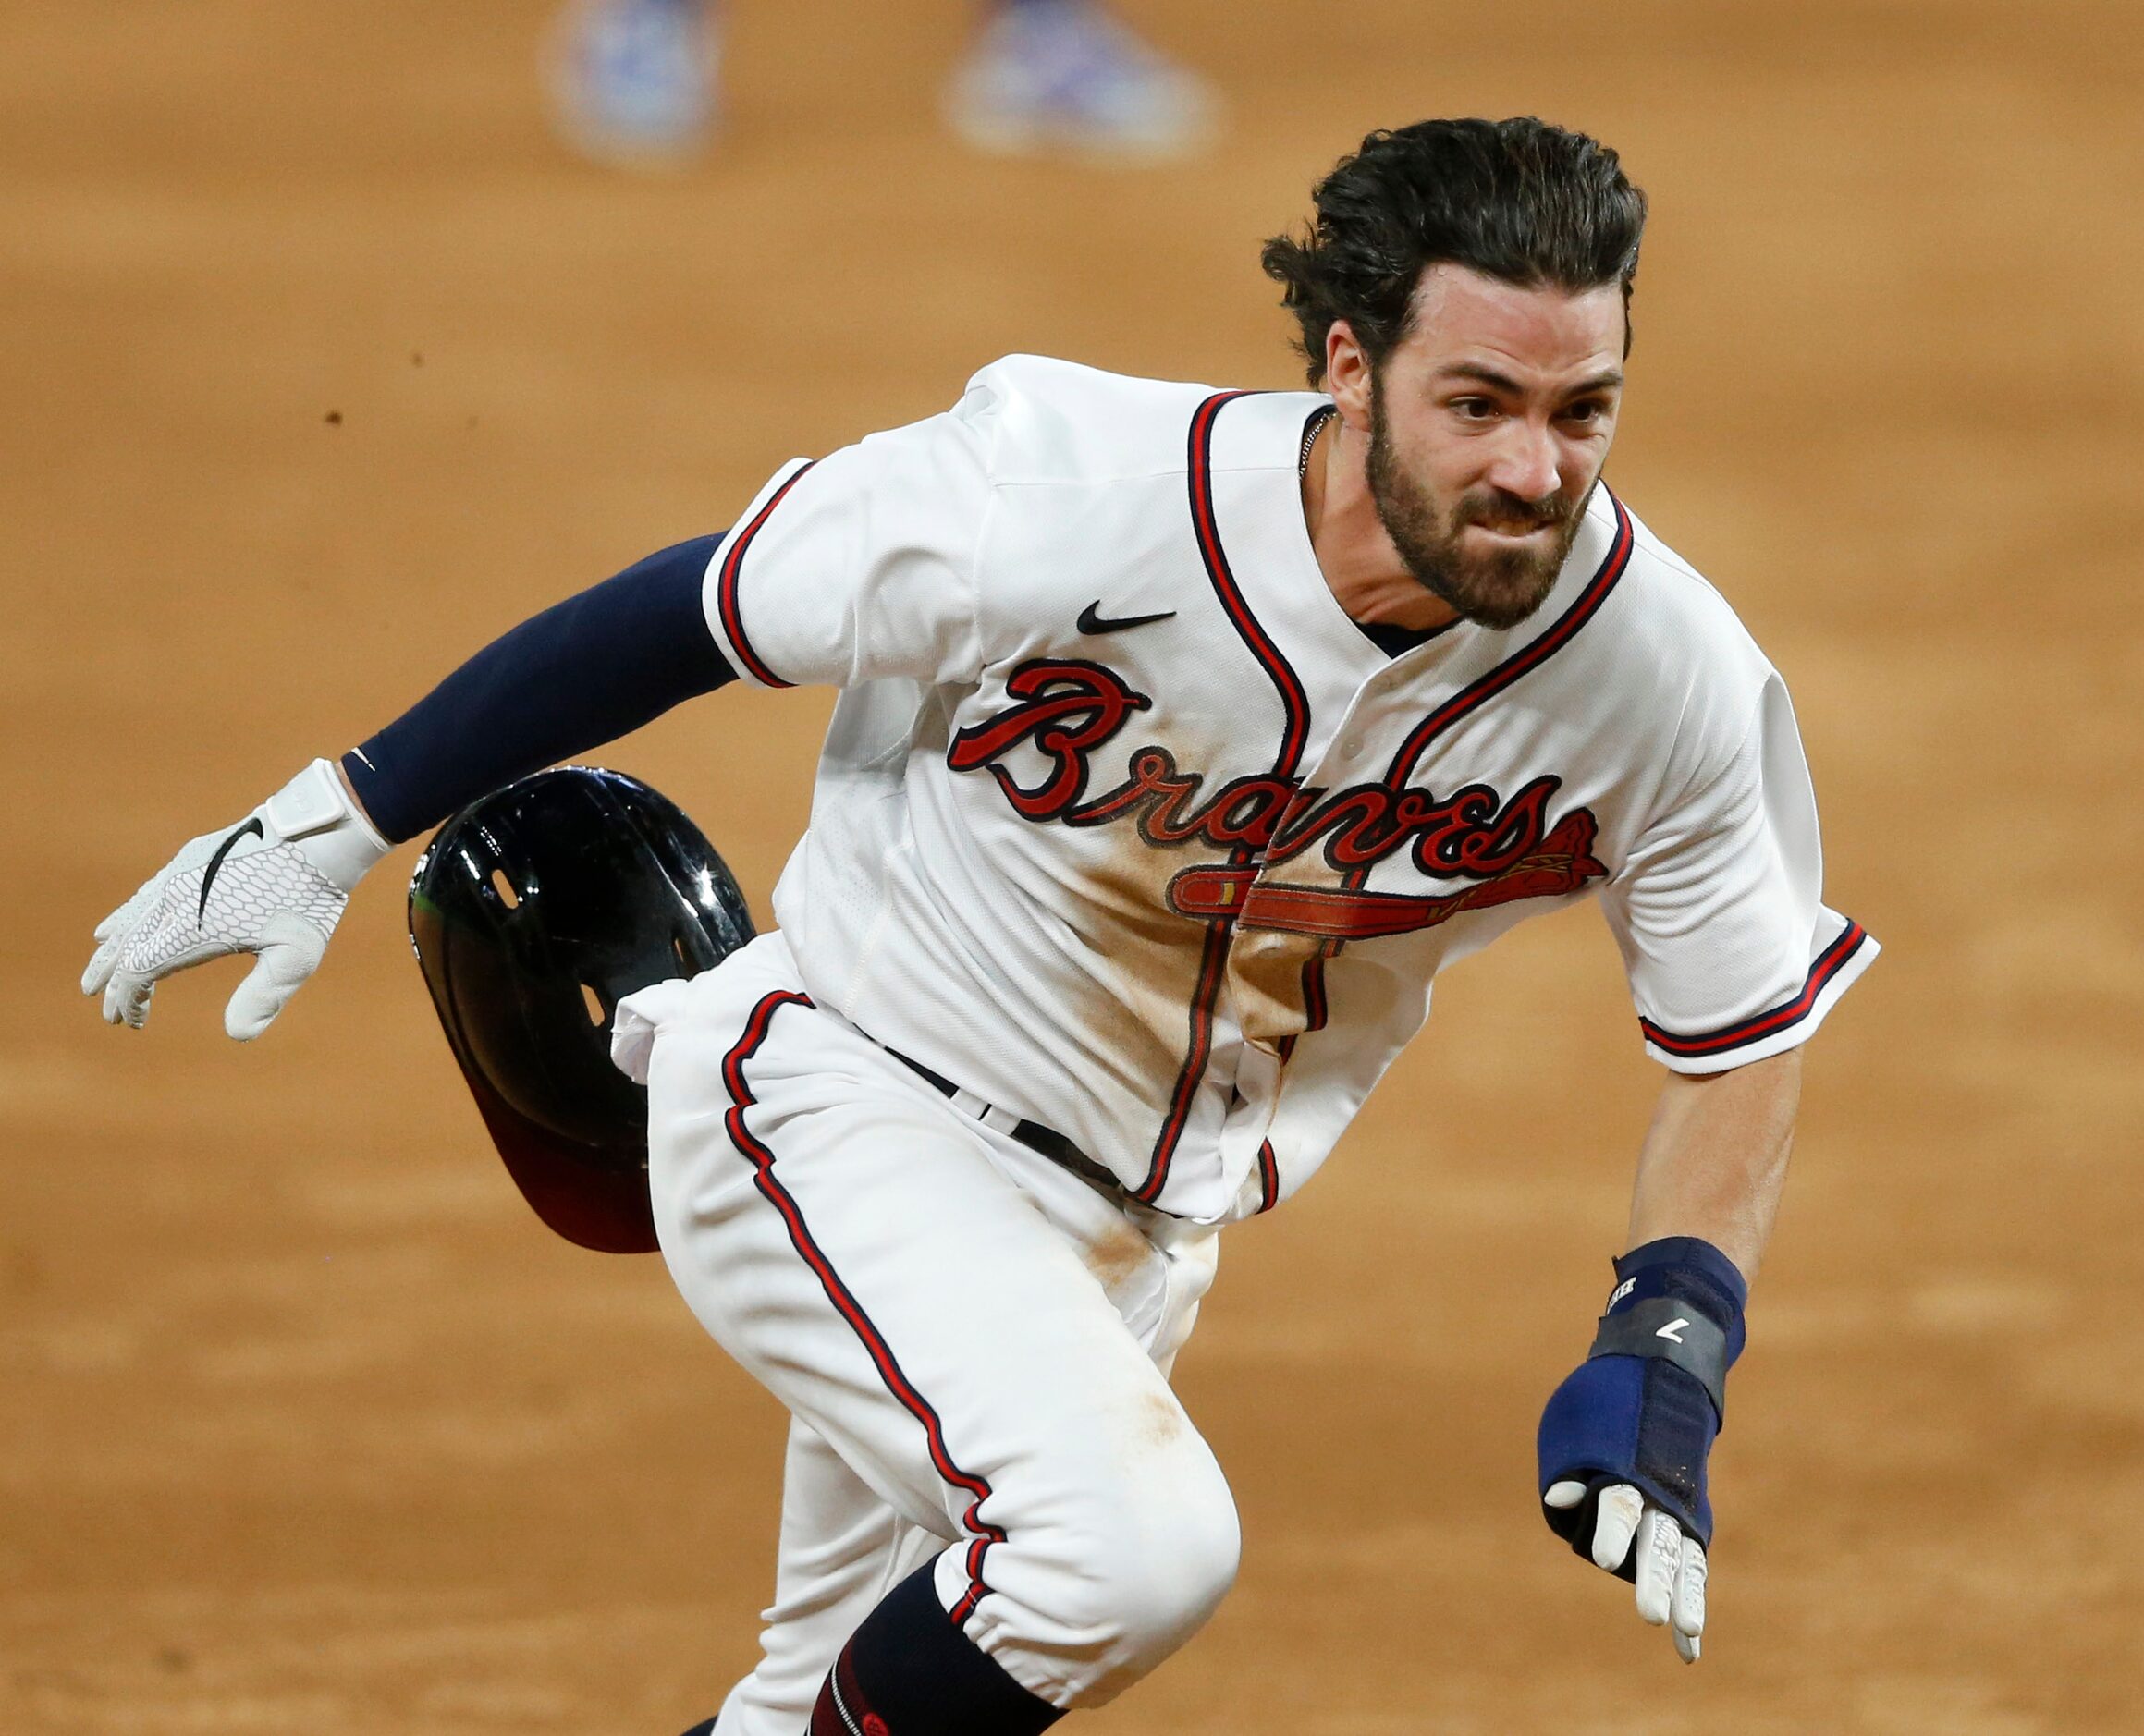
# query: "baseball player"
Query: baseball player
1184,736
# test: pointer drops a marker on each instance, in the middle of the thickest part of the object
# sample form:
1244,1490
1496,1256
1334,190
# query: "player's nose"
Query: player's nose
1526,463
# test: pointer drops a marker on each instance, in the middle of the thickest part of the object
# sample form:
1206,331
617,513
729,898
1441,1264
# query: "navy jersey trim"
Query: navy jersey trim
1774,1019
1294,734
982,1533
726,588
1294,701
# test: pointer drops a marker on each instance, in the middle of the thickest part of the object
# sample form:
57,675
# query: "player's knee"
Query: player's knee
1161,1560
1184,1560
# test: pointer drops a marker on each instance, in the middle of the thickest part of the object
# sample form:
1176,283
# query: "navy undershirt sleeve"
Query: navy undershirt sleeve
583,672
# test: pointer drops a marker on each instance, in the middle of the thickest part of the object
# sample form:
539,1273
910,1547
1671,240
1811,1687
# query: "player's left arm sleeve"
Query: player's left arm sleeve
1731,951
583,672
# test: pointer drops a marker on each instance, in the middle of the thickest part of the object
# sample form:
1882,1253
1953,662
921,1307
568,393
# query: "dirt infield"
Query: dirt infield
321,364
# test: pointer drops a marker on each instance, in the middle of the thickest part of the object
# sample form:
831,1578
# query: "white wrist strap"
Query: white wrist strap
339,841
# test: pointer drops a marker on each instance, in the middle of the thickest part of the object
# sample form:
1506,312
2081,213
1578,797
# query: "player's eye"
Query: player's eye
1474,408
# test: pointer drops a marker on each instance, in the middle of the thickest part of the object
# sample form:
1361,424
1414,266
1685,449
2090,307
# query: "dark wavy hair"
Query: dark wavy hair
1516,199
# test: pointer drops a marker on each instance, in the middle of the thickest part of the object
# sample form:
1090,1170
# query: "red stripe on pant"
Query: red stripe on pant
845,1303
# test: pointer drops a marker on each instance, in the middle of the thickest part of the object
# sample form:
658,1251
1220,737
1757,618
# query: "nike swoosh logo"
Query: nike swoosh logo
1093,621
251,829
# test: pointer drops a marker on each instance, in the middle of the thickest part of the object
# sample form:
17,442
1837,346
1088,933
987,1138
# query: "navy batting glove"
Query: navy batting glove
1644,1408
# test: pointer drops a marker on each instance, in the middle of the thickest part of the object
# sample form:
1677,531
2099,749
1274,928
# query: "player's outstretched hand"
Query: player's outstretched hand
273,884
1625,1440
1637,1540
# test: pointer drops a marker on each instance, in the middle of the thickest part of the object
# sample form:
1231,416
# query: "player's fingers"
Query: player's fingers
111,937
1565,1494
1687,1612
125,915
127,1000
1660,1558
291,952
99,970
1614,1525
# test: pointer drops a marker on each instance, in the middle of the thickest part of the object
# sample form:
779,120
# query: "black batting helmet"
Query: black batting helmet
534,913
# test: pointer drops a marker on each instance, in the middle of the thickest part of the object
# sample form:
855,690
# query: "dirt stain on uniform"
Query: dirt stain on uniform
1265,970
1160,1420
1155,953
1162,953
1119,1255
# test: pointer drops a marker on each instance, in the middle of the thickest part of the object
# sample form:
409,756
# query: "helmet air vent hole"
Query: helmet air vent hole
684,958
593,1002
505,889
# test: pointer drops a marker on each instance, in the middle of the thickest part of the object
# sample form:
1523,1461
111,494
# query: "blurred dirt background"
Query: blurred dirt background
320,364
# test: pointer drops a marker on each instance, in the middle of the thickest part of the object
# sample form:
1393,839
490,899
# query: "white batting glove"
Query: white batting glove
1671,1566
273,885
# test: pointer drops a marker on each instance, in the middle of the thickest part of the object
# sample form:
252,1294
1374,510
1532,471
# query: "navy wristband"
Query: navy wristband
1681,1300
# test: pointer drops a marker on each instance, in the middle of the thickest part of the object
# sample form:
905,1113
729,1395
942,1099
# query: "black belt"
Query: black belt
1046,1141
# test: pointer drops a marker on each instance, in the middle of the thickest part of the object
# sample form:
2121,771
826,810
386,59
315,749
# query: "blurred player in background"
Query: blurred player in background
637,81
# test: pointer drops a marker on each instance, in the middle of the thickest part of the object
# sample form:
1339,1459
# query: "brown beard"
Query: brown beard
1498,590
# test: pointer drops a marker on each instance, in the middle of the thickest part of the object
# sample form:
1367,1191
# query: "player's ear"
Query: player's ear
1347,374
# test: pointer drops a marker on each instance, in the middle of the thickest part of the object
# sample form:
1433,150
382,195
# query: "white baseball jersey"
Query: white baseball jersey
1122,825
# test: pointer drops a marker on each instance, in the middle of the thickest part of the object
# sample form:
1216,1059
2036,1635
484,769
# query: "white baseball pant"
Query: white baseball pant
972,1343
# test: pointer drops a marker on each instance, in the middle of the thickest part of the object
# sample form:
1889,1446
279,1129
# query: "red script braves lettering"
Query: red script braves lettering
1067,710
